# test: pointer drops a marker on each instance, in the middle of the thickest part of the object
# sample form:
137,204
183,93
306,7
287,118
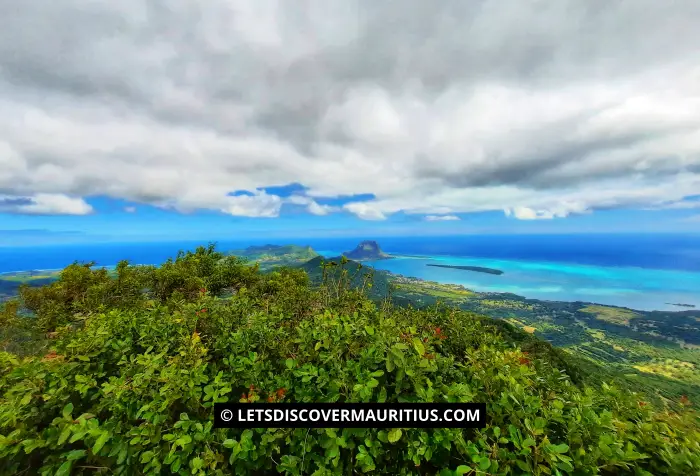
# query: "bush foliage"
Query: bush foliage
126,381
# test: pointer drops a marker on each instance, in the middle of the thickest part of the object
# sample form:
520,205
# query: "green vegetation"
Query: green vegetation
616,315
126,369
28,276
615,351
272,256
671,368
347,273
416,289
10,282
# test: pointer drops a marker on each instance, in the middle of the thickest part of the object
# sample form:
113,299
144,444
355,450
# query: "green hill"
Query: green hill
124,370
359,276
272,256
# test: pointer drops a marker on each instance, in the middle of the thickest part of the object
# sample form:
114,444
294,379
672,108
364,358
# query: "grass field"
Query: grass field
611,314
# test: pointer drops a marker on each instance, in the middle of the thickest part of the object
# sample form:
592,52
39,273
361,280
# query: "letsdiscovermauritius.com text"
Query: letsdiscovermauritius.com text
352,415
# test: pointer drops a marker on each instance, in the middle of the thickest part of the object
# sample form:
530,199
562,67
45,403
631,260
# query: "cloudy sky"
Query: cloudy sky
135,117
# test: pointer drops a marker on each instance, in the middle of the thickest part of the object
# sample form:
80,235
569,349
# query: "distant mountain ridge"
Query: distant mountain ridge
367,250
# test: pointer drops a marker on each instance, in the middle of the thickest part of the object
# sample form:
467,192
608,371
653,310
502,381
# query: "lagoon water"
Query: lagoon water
643,272
637,288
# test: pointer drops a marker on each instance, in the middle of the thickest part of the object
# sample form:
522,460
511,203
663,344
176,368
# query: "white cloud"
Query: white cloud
312,206
45,204
365,211
525,213
259,205
441,218
541,112
316,209
130,209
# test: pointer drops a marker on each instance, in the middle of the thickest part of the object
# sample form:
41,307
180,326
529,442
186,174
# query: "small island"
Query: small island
478,269
680,304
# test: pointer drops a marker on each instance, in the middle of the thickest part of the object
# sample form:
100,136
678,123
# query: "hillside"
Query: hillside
358,276
270,256
10,282
126,381
654,352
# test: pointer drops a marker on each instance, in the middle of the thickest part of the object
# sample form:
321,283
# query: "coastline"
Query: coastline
643,289
636,288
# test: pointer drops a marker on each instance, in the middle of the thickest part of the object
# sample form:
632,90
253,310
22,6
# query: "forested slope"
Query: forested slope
122,373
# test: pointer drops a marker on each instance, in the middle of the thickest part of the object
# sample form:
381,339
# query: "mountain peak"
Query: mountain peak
367,250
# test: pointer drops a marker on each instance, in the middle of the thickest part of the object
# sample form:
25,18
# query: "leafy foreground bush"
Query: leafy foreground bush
138,360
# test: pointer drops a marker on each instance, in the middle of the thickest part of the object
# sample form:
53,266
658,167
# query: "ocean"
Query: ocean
646,272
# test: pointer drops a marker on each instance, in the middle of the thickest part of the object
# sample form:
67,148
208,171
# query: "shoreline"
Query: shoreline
477,269
667,300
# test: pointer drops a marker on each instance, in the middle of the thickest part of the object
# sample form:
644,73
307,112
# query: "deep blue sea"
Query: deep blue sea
637,271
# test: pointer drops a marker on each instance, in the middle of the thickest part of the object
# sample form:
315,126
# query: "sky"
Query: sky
149,120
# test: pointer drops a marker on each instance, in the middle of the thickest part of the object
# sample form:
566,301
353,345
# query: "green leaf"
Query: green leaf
76,454
484,464
461,470
528,442
418,345
289,363
64,435
333,452
370,330
123,454
229,443
562,448
390,365
100,443
146,456
67,410
65,468
394,435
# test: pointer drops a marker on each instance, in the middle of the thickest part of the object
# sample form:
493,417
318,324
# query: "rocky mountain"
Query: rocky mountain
367,250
